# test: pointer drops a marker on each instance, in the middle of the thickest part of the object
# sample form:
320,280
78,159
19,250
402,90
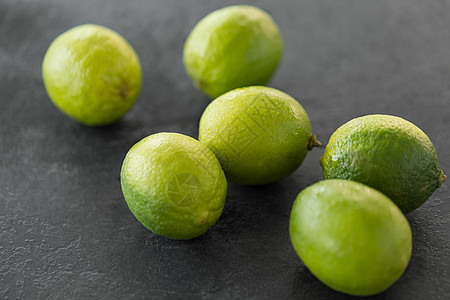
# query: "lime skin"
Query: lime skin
387,153
232,47
259,134
350,236
173,185
92,74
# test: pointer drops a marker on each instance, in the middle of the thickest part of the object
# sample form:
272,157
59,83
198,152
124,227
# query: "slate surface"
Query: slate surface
65,230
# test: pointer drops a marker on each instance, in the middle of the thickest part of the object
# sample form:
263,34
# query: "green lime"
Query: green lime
173,185
258,134
350,236
232,47
387,153
92,74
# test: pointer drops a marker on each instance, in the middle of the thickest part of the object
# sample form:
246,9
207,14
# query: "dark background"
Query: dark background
65,229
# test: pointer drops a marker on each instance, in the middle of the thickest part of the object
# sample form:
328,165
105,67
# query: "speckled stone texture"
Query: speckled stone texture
65,229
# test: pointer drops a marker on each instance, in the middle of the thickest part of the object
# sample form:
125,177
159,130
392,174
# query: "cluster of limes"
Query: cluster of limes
348,229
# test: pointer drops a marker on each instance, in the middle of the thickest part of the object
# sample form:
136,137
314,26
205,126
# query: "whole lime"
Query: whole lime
173,185
387,153
350,236
232,47
258,134
92,74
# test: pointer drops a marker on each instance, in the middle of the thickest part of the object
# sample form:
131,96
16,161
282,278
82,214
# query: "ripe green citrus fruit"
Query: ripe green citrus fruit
350,236
232,47
387,153
258,134
173,185
92,74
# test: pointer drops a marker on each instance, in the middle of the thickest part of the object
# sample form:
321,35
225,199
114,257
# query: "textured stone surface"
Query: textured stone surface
65,230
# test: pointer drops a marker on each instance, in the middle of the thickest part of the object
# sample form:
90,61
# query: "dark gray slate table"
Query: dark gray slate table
65,230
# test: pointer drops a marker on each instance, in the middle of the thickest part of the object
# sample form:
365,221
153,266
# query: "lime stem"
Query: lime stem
442,178
313,142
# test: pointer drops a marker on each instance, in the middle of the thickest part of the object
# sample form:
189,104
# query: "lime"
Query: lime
173,185
232,47
92,74
387,153
258,134
350,236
